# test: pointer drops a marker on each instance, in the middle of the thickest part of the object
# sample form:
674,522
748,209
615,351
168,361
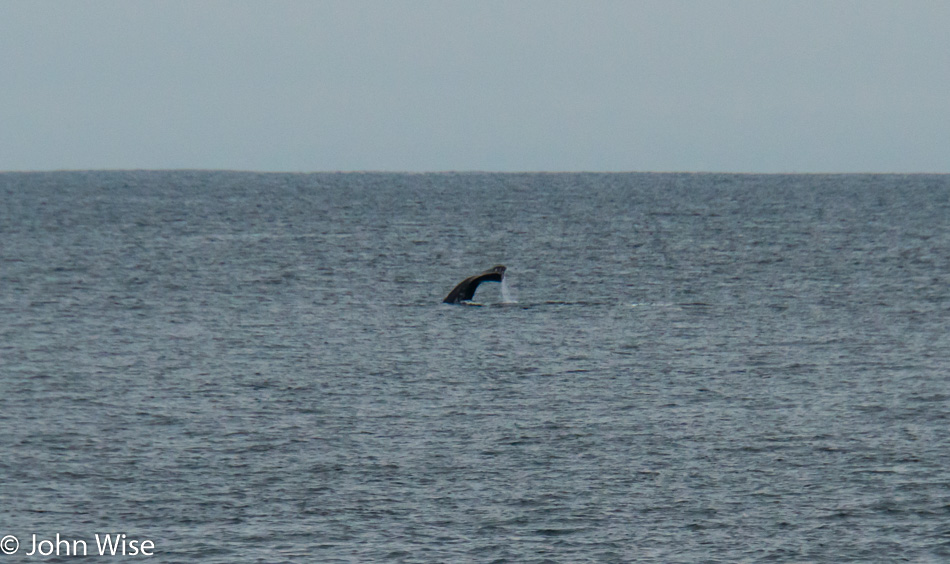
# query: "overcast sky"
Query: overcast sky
667,85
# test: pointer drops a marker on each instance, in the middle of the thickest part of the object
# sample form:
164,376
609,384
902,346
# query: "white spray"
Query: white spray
506,294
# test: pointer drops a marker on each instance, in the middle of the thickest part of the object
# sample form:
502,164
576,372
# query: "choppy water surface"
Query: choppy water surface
257,367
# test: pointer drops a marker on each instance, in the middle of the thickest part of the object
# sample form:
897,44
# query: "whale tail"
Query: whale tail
466,288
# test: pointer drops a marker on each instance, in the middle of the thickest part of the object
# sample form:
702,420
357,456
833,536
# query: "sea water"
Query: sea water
688,367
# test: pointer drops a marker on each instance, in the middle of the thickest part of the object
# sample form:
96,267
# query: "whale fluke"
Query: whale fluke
466,288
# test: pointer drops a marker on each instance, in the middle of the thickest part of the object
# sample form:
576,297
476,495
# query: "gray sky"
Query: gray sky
740,85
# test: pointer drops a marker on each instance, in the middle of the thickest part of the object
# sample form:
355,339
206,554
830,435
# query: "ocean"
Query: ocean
249,367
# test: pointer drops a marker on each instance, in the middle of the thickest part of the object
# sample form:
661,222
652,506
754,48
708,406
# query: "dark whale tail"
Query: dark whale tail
466,288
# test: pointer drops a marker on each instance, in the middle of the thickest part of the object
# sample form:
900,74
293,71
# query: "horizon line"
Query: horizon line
469,171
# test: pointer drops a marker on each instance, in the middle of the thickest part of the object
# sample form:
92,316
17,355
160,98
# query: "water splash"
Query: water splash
506,294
